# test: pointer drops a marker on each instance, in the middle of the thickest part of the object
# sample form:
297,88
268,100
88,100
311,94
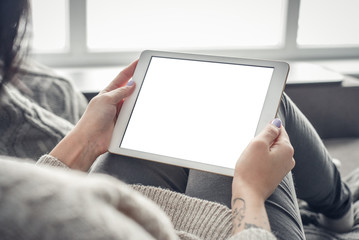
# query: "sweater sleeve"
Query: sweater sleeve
253,234
48,160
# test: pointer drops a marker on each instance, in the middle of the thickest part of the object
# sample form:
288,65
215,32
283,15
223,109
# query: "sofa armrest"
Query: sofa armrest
332,108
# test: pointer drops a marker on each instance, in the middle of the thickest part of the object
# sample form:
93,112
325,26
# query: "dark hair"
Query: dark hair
13,21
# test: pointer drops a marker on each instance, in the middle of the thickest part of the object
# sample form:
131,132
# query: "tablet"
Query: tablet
197,111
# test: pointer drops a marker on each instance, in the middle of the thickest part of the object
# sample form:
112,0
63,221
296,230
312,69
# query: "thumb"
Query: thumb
271,132
120,93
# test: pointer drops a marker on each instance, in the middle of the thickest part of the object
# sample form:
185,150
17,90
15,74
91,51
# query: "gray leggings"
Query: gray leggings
317,180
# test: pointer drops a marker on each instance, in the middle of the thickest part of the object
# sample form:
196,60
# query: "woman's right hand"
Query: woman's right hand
264,163
92,134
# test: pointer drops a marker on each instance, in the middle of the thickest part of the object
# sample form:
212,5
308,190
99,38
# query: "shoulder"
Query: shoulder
50,90
90,205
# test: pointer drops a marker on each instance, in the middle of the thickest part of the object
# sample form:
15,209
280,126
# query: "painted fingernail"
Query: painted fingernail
130,83
277,122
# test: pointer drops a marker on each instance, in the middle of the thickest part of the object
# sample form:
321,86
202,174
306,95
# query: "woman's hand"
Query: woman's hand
101,114
259,170
264,163
92,134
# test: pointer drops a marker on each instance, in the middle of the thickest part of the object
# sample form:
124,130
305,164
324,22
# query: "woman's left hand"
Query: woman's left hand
264,163
259,170
92,134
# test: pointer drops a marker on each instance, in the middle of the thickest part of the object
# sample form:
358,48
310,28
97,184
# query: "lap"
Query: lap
137,171
281,206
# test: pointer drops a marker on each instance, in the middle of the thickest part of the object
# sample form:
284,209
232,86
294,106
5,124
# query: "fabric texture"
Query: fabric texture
60,204
37,110
192,218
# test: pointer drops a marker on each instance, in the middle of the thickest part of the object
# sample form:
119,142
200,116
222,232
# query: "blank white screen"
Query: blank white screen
199,111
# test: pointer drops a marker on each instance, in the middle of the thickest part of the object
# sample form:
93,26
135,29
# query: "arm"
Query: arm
259,170
92,134
248,212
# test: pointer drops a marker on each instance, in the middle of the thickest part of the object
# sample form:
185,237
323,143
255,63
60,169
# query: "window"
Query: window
114,32
49,18
184,24
324,23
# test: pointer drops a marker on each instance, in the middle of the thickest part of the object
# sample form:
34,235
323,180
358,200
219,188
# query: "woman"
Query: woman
70,205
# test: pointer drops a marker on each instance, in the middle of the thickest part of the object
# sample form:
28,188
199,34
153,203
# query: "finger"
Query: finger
119,94
284,148
283,136
269,134
122,78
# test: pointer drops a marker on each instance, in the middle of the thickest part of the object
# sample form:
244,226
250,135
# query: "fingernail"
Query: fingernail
130,83
277,122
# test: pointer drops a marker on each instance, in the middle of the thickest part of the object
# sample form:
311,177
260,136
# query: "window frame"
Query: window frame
79,56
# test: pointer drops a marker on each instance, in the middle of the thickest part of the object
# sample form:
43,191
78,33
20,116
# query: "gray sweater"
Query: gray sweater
36,111
44,202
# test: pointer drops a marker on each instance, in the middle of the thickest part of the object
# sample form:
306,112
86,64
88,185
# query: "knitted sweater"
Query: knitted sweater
37,109
72,205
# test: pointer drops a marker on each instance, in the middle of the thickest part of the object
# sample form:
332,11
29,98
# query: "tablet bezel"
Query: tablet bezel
269,110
